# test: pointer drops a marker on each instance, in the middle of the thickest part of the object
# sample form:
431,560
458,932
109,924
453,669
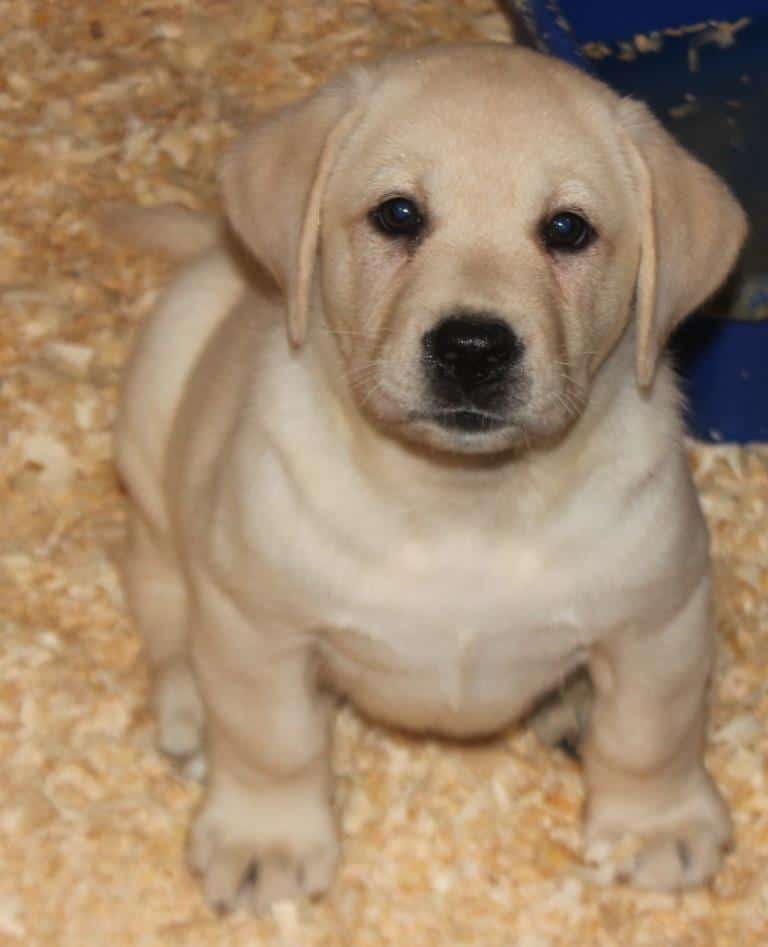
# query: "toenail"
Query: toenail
570,746
684,854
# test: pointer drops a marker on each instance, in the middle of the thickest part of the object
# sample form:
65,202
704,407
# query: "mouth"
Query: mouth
467,420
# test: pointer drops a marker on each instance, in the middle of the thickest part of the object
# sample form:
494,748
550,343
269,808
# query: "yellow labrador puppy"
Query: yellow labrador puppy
411,441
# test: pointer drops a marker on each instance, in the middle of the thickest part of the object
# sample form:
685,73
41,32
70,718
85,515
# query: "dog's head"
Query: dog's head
476,226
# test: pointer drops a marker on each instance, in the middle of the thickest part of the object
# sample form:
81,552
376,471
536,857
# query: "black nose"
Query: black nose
472,352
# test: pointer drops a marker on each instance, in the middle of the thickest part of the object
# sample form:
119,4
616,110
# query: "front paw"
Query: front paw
690,857
676,848
255,848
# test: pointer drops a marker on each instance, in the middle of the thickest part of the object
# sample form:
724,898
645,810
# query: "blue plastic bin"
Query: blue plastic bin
724,372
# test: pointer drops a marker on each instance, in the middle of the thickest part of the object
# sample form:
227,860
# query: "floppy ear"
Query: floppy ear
274,180
692,230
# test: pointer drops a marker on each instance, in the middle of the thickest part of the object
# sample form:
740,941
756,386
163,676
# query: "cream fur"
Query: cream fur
299,526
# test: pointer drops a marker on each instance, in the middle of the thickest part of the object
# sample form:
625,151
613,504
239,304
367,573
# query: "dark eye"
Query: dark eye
567,231
398,217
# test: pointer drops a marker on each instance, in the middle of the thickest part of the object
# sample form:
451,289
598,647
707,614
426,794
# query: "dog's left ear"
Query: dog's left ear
692,231
274,180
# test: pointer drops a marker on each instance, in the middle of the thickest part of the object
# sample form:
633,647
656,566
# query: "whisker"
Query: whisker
371,392
353,332
356,376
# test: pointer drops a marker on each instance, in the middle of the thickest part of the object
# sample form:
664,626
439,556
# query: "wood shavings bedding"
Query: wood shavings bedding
444,844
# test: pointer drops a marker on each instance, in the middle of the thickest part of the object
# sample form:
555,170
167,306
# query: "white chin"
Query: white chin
456,441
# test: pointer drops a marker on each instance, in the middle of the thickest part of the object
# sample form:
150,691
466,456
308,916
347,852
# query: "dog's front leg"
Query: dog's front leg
643,758
266,830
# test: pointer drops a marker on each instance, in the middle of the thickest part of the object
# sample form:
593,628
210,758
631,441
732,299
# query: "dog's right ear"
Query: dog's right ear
274,181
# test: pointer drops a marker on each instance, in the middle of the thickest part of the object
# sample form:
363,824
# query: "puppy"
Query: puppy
411,439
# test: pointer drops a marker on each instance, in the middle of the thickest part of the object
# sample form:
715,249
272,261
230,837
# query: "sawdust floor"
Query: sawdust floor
125,100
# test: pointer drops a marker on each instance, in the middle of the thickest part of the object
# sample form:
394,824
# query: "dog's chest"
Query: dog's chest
455,630
427,610
454,645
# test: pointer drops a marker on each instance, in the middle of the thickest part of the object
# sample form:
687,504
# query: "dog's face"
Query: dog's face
479,254
473,226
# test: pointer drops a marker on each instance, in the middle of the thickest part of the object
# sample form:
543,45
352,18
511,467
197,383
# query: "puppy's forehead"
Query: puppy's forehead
509,113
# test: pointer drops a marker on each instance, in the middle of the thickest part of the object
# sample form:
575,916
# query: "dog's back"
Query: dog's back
203,292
